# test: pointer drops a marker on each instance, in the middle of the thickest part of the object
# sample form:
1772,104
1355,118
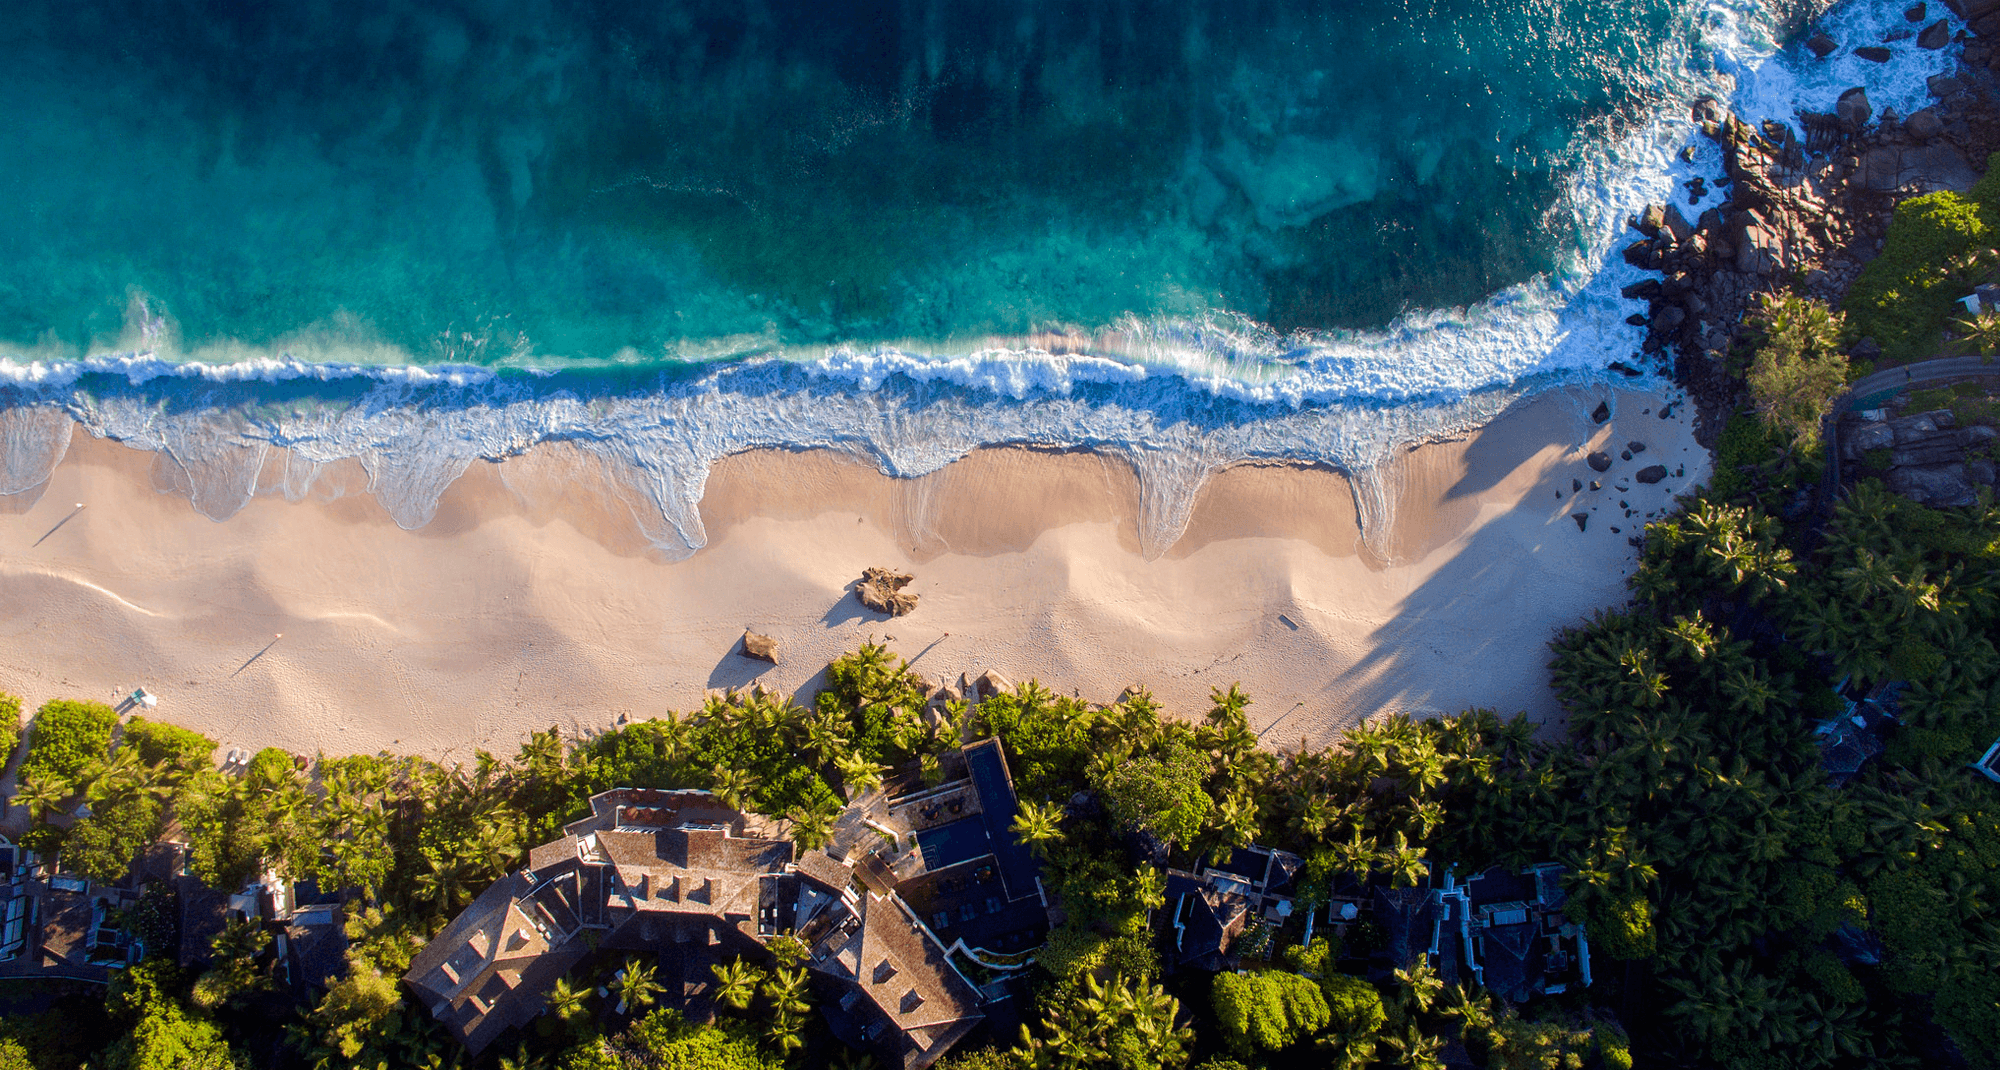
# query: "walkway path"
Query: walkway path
1871,391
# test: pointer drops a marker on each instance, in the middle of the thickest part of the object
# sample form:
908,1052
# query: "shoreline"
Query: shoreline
533,597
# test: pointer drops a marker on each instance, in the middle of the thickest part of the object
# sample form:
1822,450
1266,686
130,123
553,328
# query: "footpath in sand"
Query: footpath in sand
532,600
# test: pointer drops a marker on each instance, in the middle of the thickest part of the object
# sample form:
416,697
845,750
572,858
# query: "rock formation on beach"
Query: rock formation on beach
760,647
881,590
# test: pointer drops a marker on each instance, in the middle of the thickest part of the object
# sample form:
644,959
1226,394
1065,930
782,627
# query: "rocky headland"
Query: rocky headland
1806,207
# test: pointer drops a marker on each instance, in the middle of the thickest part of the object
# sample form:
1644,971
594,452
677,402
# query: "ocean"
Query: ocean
1188,232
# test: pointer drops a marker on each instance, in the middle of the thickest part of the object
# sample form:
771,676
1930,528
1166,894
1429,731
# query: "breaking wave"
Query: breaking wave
1179,396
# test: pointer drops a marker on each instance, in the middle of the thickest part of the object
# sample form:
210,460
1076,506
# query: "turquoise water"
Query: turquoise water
263,238
547,183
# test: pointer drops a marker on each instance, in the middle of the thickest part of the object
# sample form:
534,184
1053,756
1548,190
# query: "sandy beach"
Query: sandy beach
532,599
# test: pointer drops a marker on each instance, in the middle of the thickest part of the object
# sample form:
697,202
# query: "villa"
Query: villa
920,913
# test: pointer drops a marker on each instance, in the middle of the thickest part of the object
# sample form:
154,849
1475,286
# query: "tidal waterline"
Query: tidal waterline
540,182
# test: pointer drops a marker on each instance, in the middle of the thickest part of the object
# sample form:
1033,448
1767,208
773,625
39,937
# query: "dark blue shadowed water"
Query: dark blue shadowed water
573,180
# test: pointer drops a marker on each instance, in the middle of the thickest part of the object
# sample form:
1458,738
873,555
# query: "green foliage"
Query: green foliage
161,1034
663,1040
1267,1010
1903,297
10,726
1354,1006
157,742
1161,793
1621,926
103,846
66,737
1832,977
1125,1024
1798,367
355,1015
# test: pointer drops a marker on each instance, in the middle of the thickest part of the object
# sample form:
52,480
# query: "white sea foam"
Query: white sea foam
1179,397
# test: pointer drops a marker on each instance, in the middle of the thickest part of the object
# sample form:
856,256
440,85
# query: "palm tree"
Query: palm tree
1414,1049
1419,984
442,884
783,1032
1236,819
522,1059
636,986
736,983
786,989
1038,825
860,774
40,795
566,1000
811,829
735,786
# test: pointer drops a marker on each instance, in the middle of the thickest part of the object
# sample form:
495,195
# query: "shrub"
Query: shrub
1269,1010
1833,977
68,734
1353,1005
1621,927
1613,1046
1798,367
180,748
10,725
1904,296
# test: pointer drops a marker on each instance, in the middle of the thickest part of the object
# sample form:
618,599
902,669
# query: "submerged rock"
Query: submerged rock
1874,54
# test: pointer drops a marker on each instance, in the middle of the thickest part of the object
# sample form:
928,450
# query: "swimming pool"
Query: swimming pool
948,845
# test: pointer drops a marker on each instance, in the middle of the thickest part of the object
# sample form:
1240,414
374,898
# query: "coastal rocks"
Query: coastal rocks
1599,461
1928,167
1822,46
991,683
1923,124
1938,485
1853,108
1600,414
1874,54
881,590
1935,36
1651,473
760,647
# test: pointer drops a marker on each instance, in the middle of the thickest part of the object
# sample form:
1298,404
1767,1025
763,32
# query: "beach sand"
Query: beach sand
533,600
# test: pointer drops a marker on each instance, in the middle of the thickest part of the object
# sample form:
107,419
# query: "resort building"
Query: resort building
918,913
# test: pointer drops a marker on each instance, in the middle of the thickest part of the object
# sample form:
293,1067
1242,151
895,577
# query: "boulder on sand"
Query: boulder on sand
881,590
760,647
1599,461
1601,413
991,683
1651,473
